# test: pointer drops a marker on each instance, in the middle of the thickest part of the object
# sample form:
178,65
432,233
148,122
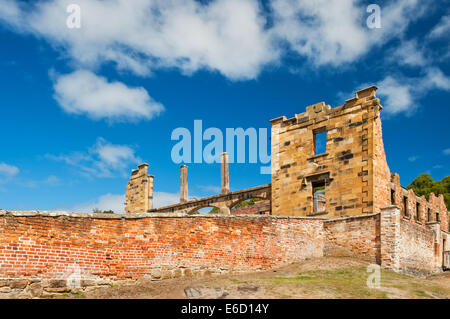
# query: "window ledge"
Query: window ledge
317,156
407,217
317,214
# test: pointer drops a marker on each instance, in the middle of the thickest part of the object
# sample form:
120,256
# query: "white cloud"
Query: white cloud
82,92
223,35
49,181
104,202
161,199
326,32
116,203
8,171
442,28
335,32
434,79
398,96
228,36
402,95
409,53
104,159
447,151
413,158
210,188
10,12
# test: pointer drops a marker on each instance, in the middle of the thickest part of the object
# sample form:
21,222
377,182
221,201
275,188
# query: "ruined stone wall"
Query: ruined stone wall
410,247
139,191
419,210
416,248
353,158
382,173
353,236
47,248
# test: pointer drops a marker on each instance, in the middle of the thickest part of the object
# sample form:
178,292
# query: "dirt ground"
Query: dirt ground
319,278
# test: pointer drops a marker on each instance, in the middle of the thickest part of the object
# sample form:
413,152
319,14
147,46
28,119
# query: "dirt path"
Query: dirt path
319,278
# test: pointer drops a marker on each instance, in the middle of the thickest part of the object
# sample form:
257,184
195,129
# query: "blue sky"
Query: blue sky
81,107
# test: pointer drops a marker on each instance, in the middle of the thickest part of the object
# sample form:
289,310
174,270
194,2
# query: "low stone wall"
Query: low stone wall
43,253
357,236
409,247
416,248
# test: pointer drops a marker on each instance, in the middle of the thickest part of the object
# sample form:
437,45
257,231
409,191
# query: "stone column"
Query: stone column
224,173
183,184
390,237
139,192
438,251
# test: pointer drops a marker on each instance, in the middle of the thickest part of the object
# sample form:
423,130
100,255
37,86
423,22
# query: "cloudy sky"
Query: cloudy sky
81,107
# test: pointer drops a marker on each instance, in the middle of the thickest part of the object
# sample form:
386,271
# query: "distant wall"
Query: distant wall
258,208
357,236
410,248
417,251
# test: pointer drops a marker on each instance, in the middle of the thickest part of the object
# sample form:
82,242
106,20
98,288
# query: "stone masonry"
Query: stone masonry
139,192
348,168
364,213
343,182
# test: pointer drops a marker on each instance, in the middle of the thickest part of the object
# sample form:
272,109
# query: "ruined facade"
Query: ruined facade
340,201
346,177
352,169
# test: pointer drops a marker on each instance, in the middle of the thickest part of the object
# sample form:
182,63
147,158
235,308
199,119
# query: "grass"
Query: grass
352,283
325,278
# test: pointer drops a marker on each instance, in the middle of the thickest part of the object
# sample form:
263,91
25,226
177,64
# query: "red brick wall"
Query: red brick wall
416,248
258,208
353,236
39,245
410,247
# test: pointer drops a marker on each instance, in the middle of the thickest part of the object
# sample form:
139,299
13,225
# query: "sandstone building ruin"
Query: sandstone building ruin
352,172
349,178
340,201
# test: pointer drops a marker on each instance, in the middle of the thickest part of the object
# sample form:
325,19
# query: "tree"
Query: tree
98,211
424,185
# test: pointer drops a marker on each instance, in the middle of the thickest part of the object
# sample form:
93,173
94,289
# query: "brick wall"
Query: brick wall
258,208
357,236
410,247
50,245
416,248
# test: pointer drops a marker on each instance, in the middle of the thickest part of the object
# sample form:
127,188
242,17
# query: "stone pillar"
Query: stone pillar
139,191
224,173
437,245
183,184
390,237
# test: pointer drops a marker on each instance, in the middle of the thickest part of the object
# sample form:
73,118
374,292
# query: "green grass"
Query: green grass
352,283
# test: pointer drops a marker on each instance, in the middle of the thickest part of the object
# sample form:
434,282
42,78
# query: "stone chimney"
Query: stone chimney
183,184
224,173
139,192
